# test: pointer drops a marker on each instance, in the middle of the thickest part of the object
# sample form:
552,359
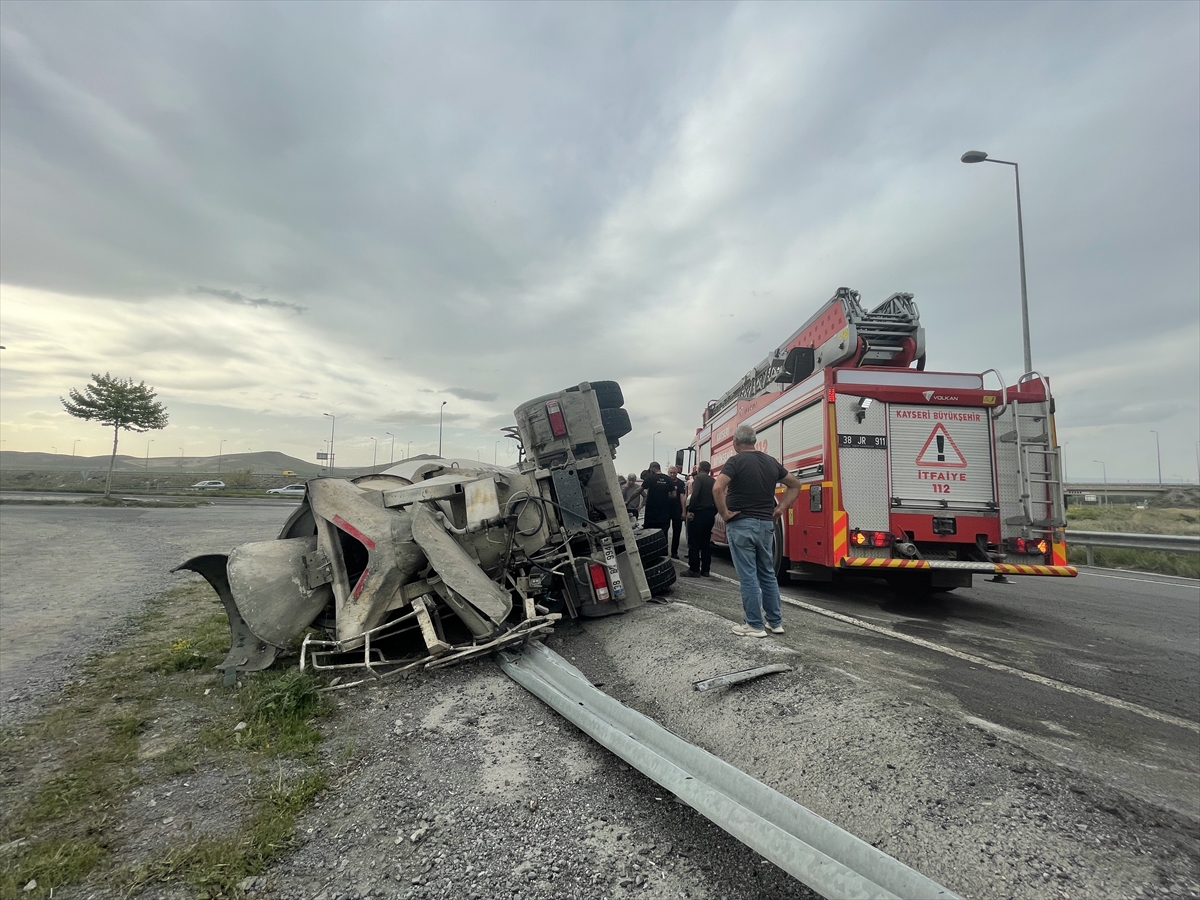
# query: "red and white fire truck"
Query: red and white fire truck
925,478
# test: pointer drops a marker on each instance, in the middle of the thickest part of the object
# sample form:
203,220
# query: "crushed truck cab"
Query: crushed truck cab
438,560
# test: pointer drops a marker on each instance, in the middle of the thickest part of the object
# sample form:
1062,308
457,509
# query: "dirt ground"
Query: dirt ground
458,783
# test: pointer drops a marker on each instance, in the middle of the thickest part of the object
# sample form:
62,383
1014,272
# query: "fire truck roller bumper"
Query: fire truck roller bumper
983,567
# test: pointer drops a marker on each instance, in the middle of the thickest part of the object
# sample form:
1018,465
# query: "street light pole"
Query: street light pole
73,443
181,459
1158,450
440,408
220,447
392,450
496,454
977,156
332,428
146,467
652,444
1104,470
374,449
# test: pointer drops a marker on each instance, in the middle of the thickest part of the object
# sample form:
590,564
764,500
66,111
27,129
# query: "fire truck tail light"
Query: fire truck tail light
871,538
831,396
1024,545
599,581
558,424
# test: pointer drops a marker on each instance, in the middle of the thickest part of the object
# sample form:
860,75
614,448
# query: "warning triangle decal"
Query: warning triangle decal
940,451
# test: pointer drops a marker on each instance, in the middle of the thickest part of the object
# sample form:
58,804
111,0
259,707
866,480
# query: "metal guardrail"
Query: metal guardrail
1173,543
831,861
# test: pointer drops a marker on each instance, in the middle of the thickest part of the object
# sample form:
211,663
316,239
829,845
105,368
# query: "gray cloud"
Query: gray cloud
242,300
404,417
472,394
521,197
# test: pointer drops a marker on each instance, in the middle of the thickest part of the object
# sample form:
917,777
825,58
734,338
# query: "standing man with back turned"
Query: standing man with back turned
745,496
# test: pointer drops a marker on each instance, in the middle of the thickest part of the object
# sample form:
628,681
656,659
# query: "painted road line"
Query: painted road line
1186,584
1114,702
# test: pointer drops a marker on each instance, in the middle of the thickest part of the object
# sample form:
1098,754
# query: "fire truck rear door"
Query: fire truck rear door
941,457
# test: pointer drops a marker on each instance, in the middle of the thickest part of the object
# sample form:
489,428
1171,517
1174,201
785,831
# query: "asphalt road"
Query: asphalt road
1099,673
72,573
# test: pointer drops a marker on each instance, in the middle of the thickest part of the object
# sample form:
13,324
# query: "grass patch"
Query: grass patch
1186,565
214,866
76,780
1131,520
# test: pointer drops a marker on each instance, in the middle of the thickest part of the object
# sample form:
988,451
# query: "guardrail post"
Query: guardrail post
1091,557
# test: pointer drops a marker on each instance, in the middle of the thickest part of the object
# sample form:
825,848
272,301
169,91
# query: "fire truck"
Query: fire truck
925,478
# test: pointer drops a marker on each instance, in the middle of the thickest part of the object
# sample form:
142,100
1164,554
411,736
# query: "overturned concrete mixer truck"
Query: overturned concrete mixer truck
437,560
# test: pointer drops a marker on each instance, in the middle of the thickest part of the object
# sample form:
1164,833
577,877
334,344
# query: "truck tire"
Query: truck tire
616,423
651,544
608,394
660,576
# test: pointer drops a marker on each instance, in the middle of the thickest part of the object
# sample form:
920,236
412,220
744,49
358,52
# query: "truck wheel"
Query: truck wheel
608,394
616,423
660,576
651,545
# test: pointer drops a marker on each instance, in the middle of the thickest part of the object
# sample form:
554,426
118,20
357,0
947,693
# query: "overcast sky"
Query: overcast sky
273,211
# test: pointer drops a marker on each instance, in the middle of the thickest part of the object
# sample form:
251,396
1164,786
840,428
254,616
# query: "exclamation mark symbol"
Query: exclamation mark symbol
941,448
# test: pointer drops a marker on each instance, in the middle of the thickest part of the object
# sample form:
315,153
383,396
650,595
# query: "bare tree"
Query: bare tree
119,404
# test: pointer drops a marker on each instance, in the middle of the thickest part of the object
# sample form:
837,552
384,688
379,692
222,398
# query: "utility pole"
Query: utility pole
978,156
440,408
332,428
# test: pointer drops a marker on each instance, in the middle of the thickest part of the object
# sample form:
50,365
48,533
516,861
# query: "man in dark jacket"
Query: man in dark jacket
745,496
701,514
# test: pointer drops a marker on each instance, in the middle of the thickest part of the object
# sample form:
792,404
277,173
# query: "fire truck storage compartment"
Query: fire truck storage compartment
804,437
941,458
862,466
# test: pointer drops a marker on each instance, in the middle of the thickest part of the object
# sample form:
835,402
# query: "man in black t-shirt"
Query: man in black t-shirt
745,496
677,499
660,494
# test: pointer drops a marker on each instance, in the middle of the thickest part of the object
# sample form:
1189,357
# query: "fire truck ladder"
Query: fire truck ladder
1039,468
885,327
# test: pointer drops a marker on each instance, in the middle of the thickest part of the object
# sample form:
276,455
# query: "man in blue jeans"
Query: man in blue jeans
745,497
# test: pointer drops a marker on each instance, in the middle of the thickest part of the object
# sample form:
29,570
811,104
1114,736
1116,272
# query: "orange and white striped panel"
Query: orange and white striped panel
1022,569
869,563
841,536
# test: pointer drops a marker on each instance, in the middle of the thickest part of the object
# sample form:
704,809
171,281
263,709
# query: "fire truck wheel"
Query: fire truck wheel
616,423
608,394
651,545
660,576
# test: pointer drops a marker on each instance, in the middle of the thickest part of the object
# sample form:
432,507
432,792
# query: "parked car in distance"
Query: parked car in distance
288,474
294,489
208,485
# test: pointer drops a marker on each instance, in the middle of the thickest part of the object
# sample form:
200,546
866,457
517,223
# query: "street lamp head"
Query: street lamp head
974,156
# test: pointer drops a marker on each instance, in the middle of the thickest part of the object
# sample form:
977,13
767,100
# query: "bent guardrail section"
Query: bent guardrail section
1173,543
828,859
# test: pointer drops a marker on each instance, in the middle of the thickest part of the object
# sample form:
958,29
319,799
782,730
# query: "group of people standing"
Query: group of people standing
743,495
669,502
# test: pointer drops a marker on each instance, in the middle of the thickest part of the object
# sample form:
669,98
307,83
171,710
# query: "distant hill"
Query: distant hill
266,462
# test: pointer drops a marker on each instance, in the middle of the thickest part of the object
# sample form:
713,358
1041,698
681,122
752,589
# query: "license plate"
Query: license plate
614,575
871,441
